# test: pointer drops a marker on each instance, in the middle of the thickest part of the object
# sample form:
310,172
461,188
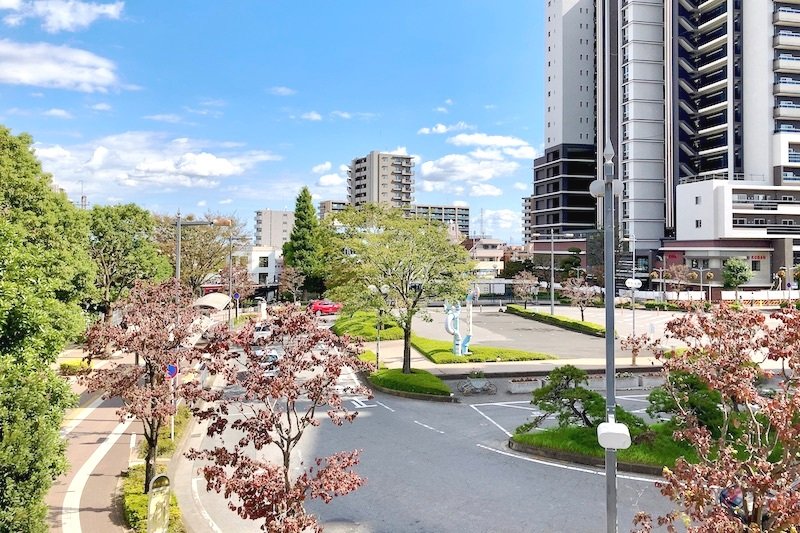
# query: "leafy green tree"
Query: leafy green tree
204,249
736,272
684,393
124,250
45,271
414,259
303,250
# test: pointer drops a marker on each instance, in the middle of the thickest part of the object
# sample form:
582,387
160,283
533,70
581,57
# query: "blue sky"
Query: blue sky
230,107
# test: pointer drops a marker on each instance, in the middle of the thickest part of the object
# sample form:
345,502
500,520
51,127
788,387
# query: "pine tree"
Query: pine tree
303,250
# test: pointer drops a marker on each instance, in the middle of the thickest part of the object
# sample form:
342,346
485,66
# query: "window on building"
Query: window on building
697,200
698,223
263,262
755,266
263,278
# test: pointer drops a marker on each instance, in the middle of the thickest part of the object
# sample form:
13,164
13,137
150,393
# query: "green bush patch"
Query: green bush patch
420,381
561,321
167,446
75,367
655,447
364,324
134,502
441,352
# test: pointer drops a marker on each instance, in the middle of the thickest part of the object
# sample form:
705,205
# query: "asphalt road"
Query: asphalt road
440,467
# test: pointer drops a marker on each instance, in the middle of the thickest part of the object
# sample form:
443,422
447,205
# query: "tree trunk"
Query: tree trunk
150,463
407,349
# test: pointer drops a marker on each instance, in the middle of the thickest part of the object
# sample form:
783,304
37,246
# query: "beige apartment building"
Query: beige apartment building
381,178
273,228
331,206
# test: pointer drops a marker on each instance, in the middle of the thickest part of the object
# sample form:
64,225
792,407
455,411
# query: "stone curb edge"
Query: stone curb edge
571,457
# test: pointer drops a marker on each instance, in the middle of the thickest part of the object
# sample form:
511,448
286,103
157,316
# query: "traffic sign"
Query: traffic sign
633,283
172,371
235,295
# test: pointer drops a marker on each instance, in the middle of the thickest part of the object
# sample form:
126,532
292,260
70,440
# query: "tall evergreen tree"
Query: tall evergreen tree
45,270
303,250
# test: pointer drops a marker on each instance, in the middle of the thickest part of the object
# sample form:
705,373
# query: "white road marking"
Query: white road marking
429,427
519,407
203,512
385,406
566,467
358,402
80,416
70,509
502,403
490,420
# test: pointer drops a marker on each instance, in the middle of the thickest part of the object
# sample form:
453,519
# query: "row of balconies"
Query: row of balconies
787,15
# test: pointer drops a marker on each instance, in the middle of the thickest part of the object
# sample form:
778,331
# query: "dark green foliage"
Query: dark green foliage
736,272
303,250
698,398
418,380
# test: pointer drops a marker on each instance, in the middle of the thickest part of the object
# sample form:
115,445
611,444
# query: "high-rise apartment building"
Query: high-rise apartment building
381,178
330,206
459,216
273,228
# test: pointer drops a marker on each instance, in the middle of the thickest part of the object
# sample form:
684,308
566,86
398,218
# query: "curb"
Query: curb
570,457
544,373
563,325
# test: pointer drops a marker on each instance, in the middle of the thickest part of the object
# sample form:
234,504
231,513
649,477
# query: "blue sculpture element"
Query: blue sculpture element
452,326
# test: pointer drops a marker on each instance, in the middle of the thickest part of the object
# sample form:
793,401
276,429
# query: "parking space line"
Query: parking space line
429,427
385,406
501,403
565,467
490,420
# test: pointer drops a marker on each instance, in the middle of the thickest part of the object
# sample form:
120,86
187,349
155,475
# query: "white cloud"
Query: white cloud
147,160
10,4
460,203
482,139
485,189
502,219
102,106
282,91
440,109
449,101
342,114
202,203
322,167
461,167
490,106
490,154
521,186
441,128
57,113
523,152
226,201
60,67
61,15
331,180
311,115
169,118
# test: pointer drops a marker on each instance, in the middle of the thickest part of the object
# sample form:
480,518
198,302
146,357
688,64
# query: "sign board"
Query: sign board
158,505
235,295
633,283
172,371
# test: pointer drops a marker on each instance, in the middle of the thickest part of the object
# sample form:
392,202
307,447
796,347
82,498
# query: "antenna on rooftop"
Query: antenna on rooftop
482,232
84,201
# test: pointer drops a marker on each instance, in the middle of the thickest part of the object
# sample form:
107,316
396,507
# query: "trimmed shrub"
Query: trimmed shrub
589,328
134,502
441,352
663,306
418,381
75,367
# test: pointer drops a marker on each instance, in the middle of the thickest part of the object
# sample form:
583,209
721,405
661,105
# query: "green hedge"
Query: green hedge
441,352
74,367
561,321
134,502
663,306
418,381
364,324
167,446
660,449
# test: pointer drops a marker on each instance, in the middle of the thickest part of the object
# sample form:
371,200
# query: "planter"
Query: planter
598,383
523,386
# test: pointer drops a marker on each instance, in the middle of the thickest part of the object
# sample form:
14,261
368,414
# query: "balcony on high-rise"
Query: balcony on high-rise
787,15
787,86
788,39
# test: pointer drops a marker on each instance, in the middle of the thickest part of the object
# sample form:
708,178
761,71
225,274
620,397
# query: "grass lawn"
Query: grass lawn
442,352
418,381
662,451
364,324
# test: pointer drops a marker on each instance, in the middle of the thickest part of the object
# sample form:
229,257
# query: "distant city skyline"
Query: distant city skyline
234,108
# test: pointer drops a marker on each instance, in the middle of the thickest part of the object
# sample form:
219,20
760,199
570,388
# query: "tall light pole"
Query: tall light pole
708,276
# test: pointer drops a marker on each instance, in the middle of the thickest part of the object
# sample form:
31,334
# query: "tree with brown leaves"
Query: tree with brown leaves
756,448
160,326
281,391
525,285
291,281
680,276
580,293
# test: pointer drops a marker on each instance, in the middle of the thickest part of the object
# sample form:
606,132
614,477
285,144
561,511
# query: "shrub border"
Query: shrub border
579,458
587,328
410,395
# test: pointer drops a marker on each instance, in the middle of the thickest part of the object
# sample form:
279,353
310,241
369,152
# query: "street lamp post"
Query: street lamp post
708,276
553,266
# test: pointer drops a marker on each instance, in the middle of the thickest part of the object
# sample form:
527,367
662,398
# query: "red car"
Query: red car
324,307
